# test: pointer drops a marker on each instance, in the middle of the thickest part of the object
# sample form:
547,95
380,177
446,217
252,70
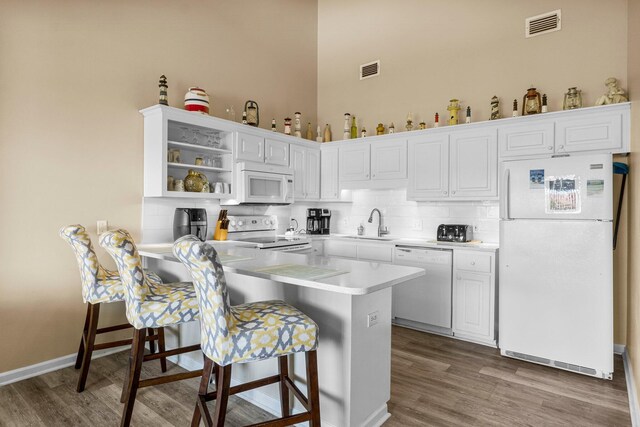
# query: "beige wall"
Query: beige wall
432,51
633,302
73,76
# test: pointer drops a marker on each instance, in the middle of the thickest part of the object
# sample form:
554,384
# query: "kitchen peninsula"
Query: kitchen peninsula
349,300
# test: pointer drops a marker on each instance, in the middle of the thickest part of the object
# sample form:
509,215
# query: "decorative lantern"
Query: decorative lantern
196,100
531,102
253,114
572,99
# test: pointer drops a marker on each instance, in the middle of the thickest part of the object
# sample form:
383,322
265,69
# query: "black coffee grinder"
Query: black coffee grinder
318,221
190,221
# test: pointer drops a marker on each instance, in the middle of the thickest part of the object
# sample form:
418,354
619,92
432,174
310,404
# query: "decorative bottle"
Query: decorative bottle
318,134
354,128
327,133
309,132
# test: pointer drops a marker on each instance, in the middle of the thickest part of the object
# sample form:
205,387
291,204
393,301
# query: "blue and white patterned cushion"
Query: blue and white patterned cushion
243,333
149,304
98,284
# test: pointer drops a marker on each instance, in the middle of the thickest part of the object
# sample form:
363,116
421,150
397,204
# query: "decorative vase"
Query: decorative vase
194,181
196,99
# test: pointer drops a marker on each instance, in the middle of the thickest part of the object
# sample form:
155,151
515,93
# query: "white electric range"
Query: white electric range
261,230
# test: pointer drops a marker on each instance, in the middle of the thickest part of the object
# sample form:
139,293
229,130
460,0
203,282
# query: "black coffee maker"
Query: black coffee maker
190,221
318,221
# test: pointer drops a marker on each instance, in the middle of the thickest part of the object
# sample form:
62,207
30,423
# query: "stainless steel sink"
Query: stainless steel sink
383,239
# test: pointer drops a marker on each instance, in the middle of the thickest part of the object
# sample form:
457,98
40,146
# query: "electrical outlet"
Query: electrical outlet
372,318
101,226
416,225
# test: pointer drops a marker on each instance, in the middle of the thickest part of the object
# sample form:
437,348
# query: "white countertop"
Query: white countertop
403,241
359,277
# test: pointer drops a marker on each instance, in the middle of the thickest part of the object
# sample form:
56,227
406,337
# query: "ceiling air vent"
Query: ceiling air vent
371,69
543,24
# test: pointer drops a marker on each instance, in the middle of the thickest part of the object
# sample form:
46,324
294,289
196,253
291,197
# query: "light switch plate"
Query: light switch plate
416,225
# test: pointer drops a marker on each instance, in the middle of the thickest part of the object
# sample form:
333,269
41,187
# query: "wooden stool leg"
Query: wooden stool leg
152,343
201,404
94,314
223,384
161,349
83,338
313,392
284,390
135,366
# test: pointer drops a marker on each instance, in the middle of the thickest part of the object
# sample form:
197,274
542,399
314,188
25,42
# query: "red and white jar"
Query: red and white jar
196,100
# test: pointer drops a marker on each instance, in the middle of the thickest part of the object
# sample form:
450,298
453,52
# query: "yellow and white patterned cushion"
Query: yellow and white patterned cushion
98,284
149,304
246,332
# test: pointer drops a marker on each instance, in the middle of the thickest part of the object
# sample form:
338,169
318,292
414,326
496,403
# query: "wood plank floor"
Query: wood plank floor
435,381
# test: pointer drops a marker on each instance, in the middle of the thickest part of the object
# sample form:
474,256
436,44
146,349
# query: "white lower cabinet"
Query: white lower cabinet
340,248
364,251
474,296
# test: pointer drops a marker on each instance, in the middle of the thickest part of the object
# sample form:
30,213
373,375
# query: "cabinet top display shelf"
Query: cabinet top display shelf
194,147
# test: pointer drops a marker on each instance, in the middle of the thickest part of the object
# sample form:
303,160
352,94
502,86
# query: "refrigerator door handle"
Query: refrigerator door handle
504,200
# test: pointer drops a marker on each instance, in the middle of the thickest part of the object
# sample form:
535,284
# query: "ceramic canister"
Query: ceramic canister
196,99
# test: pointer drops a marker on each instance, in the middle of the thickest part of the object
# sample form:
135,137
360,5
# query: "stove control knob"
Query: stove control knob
266,221
232,223
240,223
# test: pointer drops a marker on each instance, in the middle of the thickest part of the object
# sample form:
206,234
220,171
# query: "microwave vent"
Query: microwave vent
543,24
371,69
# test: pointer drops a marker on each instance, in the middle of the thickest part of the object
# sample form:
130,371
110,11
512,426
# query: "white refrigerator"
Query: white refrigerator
556,263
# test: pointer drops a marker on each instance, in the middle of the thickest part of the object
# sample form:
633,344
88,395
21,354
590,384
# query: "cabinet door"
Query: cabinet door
329,174
276,152
340,248
474,164
472,307
354,162
528,139
249,147
312,174
373,252
428,168
389,160
595,132
298,163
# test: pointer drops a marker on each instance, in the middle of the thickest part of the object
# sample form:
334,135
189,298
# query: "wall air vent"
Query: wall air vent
542,24
371,69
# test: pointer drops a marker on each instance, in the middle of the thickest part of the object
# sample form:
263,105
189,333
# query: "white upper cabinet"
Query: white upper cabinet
249,147
305,162
526,139
354,162
590,133
276,152
329,186
389,160
474,164
428,168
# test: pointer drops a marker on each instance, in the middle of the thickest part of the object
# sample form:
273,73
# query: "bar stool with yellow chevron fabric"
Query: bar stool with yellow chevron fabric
99,286
246,333
149,305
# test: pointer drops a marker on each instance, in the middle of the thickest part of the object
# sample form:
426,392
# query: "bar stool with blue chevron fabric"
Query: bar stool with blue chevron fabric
246,333
99,286
149,305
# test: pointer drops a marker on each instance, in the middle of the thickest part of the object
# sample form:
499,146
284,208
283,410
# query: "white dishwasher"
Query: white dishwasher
424,303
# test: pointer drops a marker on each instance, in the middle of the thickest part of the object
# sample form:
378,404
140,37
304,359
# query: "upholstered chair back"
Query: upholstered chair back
216,319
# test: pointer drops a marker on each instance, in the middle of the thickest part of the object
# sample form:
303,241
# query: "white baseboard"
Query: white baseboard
632,393
619,349
50,365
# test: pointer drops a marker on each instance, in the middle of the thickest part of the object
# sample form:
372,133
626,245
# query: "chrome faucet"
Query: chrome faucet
382,230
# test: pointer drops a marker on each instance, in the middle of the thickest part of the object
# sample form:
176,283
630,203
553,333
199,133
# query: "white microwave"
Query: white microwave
259,183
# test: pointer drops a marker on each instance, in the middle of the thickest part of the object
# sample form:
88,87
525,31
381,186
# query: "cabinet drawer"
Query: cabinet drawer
340,249
383,253
473,261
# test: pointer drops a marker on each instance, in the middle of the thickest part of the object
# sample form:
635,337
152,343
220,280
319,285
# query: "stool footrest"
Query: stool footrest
173,352
296,391
114,328
240,388
169,378
286,421
111,344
